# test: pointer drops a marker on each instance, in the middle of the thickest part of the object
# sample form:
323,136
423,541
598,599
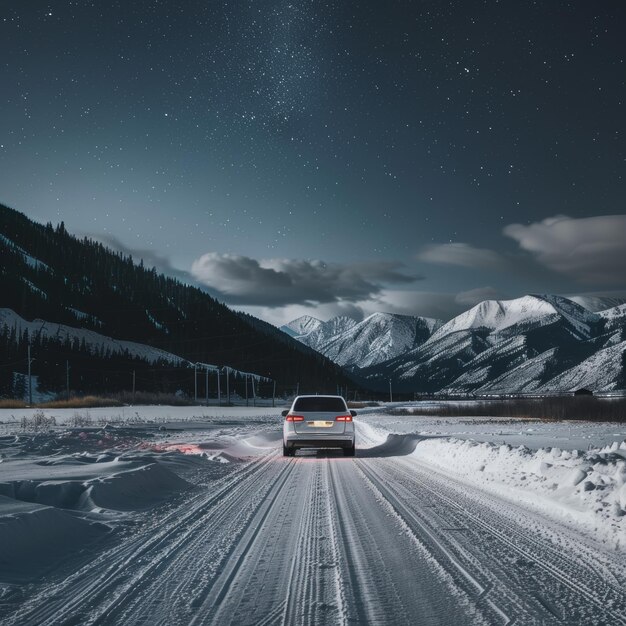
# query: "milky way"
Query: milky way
338,131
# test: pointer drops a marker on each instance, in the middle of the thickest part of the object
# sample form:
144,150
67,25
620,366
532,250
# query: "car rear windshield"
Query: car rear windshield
320,404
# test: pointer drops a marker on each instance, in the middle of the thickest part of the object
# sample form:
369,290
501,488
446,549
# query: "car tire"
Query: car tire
286,451
349,451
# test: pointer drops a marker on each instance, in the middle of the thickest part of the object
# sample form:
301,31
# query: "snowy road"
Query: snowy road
322,539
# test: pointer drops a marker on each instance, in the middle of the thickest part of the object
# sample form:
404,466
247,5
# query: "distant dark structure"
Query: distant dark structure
583,392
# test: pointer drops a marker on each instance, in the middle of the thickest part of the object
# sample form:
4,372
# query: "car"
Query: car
318,422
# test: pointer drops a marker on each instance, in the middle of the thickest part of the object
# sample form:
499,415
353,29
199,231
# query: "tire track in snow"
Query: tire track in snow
172,587
531,577
77,600
244,560
314,582
462,576
560,562
318,540
388,578
284,572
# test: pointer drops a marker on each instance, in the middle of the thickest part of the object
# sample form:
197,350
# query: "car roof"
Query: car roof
319,395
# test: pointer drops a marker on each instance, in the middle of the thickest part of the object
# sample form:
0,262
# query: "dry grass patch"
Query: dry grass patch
151,398
85,402
8,403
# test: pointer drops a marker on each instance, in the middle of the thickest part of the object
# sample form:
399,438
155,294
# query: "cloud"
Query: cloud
474,296
280,282
462,254
439,305
424,303
590,249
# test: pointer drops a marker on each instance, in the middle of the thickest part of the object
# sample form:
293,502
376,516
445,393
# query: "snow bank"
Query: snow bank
34,538
585,489
55,505
369,435
115,485
132,490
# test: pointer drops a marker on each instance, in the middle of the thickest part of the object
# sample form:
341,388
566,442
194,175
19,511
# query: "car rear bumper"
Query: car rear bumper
320,441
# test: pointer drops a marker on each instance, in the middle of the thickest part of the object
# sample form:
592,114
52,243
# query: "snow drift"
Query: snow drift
34,537
584,489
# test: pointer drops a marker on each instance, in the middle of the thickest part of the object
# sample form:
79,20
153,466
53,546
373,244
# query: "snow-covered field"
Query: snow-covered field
532,433
190,515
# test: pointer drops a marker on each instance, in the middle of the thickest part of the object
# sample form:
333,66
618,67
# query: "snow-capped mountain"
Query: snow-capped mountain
302,326
498,316
533,343
598,303
602,370
317,334
378,338
614,315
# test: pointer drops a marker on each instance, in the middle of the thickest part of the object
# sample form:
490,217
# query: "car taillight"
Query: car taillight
343,418
294,418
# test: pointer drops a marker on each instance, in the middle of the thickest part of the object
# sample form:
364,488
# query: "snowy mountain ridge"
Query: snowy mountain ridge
377,338
315,333
597,303
536,343
302,326
531,310
614,313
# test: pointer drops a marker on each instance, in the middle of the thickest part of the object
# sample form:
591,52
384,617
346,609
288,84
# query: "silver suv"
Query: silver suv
318,422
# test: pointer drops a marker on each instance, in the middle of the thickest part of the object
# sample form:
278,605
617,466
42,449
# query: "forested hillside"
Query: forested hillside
49,274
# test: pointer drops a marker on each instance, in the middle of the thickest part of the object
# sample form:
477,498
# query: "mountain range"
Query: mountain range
532,344
76,301
378,338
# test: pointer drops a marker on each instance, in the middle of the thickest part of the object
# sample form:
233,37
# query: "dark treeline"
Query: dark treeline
88,370
81,283
550,408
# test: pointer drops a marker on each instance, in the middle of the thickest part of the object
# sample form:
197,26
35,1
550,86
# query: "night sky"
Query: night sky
327,157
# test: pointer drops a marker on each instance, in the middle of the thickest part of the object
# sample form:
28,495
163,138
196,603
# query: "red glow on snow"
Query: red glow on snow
185,448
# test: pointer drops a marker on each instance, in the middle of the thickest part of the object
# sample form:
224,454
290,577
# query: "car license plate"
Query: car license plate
318,424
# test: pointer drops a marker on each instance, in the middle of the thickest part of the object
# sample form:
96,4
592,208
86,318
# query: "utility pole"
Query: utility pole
30,380
219,391
247,390
67,379
390,394
298,389
195,383
274,395
134,387
206,385
227,387
253,394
